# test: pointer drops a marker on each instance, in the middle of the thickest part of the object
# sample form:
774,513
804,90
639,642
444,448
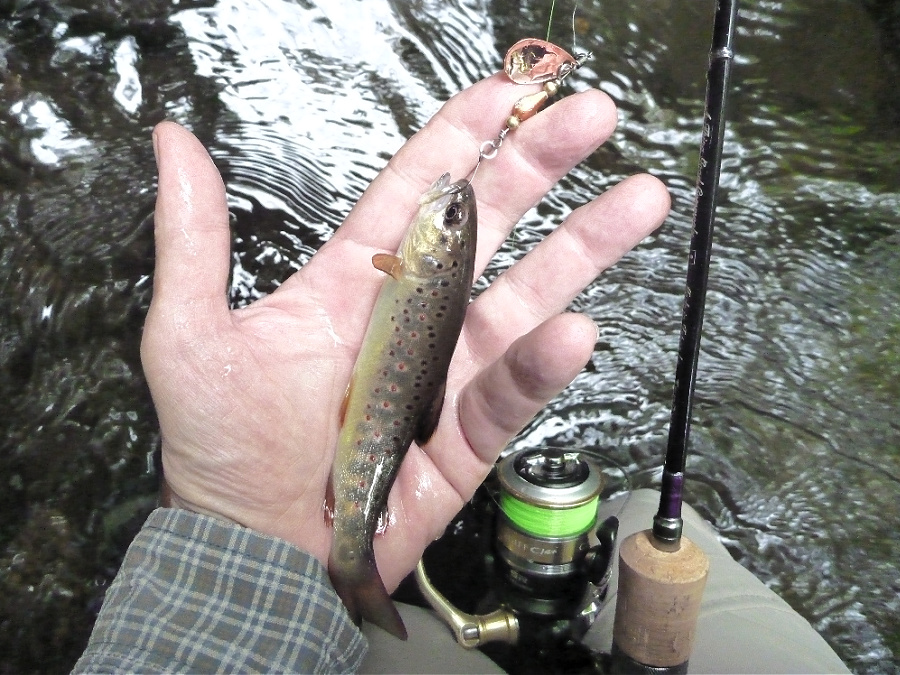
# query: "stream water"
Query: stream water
795,445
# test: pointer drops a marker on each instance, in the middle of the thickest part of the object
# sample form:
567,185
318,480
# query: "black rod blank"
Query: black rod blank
667,524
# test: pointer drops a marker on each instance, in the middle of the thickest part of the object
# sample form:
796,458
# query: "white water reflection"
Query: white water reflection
53,140
128,92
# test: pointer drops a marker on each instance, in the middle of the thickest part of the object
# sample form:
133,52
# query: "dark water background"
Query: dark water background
796,440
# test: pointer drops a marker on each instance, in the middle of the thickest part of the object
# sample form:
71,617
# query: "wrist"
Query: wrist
170,500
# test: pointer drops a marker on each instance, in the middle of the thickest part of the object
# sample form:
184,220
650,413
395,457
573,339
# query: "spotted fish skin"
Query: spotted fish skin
397,388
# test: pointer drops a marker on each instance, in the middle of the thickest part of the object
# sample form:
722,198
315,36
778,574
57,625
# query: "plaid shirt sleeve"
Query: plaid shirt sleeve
195,594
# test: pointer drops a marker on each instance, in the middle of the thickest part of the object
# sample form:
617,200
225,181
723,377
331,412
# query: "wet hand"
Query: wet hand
248,400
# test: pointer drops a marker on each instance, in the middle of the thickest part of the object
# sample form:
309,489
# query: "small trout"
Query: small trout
396,391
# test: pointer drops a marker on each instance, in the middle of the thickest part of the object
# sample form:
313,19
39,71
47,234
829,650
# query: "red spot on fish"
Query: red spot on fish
372,458
401,366
410,352
385,404
362,483
376,434
414,335
368,418
394,387
434,294
422,317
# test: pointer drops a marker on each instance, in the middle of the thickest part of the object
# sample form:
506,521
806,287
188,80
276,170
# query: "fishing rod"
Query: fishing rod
662,574
667,524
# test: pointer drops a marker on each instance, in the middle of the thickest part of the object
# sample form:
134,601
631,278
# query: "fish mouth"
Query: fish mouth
438,189
460,187
442,192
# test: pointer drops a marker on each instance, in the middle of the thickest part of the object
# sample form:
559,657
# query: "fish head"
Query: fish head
442,236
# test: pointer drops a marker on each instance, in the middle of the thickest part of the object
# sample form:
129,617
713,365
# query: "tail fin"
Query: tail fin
366,598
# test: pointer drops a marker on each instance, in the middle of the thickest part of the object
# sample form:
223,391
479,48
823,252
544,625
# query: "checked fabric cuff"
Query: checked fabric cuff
195,594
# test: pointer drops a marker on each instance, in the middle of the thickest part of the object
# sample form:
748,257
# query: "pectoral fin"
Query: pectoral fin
389,264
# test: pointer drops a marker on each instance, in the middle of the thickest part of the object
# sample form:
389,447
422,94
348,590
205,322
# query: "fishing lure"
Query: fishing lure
532,61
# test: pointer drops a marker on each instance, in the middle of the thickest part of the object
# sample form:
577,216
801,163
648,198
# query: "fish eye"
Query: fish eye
453,215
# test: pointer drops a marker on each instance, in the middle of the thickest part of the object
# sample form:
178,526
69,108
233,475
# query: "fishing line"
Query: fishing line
574,36
550,24
550,20
549,522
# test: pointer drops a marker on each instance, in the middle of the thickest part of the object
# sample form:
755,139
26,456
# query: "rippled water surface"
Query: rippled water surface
796,444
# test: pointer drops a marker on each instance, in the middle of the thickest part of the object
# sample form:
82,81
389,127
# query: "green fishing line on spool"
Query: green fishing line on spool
546,522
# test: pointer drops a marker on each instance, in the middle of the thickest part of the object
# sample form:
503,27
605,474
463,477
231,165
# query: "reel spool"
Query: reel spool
545,558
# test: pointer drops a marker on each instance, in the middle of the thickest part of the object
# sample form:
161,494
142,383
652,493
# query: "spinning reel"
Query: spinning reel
549,564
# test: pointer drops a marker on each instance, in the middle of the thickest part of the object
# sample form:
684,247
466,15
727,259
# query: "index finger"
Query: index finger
537,154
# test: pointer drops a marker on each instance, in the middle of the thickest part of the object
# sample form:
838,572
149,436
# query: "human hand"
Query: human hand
248,400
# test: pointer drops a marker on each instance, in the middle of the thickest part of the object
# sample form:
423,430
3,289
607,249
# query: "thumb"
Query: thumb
193,239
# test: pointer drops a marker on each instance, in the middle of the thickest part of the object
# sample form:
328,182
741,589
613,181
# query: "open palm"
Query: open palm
248,400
